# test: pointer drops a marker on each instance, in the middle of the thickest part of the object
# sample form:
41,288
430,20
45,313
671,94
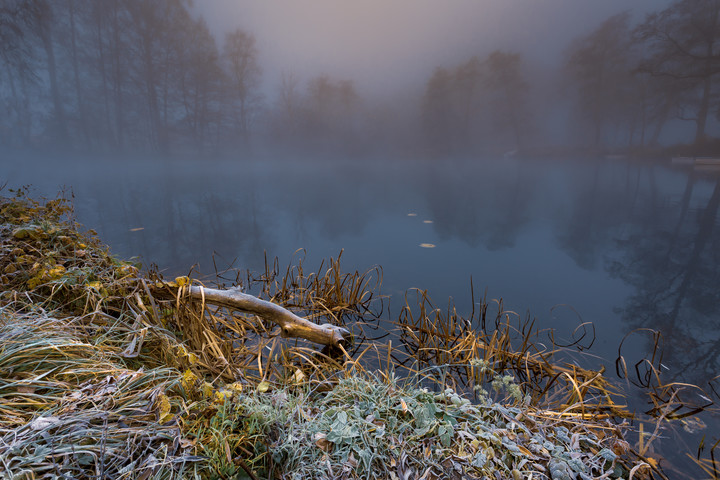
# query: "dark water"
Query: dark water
620,243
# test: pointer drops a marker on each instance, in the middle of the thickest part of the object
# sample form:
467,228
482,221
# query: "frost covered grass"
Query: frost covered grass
106,372
371,427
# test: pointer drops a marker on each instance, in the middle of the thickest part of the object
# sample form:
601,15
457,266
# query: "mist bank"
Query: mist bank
127,76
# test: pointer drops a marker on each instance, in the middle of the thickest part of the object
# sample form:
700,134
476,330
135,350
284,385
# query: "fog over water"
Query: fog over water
562,154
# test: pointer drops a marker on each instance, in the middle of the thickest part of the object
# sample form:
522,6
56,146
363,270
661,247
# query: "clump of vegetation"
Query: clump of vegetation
106,372
372,427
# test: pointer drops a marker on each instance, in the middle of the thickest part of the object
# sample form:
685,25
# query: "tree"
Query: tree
148,19
73,14
44,25
109,73
682,43
439,116
330,112
108,53
466,98
199,79
476,104
288,106
321,92
18,19
158,42
505,82
600,66
240,56
18,59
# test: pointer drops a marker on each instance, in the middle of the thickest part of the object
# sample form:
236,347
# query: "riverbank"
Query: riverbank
103,378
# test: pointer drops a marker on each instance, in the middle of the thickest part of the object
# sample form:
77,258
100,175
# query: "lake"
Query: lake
624,244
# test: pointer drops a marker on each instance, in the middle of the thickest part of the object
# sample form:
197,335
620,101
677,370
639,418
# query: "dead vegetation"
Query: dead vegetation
106,372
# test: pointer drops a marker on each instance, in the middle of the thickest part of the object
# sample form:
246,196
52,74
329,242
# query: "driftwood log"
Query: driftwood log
290,324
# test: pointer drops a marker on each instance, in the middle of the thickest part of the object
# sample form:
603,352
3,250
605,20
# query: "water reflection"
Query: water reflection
183,222
486,206
600,201
669,256
626,244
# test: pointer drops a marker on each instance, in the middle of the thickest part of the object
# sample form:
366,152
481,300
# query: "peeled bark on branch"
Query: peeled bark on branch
290,324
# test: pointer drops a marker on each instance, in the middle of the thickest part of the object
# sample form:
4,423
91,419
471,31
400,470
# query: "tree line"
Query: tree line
625,83
634,79
119,75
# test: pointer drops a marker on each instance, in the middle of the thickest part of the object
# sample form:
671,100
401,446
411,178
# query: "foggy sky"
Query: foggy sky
391,44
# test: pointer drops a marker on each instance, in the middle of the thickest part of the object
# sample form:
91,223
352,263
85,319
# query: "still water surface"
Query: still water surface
619,243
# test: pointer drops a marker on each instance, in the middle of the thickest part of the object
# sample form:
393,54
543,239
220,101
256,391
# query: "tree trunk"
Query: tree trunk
703,112
82,111
290,324
707,224
44,26
99,35
707,81
117,70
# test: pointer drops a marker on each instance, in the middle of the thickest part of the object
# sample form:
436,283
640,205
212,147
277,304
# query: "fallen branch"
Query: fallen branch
290,324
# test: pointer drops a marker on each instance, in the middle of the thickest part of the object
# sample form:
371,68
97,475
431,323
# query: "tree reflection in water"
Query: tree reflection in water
671,257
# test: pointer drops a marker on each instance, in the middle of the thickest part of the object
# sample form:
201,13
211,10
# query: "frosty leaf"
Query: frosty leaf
41,423
479,460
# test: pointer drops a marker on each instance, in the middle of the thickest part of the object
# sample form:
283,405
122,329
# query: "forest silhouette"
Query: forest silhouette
136,76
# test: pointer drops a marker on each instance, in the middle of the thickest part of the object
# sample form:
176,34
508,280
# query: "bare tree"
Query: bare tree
200,80
683,43
289,105
600,66
18,59
505,82
43,25
439,115
240,56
